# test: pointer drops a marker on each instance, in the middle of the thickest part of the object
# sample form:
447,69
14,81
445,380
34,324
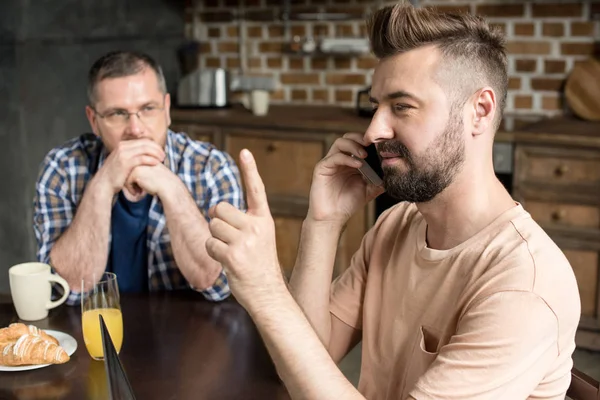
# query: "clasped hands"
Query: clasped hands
136,167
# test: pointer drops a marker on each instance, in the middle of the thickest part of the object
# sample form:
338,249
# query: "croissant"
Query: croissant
16,330
31,349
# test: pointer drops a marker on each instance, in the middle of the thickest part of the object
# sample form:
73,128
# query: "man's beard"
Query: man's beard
428,175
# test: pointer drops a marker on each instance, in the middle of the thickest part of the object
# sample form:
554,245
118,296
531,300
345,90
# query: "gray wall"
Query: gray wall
46,49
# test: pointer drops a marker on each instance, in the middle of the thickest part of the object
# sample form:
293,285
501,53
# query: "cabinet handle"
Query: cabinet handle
271,147
558,215
561,170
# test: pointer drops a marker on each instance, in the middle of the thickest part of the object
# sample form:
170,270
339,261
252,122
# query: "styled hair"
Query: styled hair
473,53
118,64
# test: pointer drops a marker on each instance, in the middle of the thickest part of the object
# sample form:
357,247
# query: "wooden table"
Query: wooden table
176,346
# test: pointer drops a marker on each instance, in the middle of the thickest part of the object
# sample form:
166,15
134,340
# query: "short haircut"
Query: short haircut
118,64
473,53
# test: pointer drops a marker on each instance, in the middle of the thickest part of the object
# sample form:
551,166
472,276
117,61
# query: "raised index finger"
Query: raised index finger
255,188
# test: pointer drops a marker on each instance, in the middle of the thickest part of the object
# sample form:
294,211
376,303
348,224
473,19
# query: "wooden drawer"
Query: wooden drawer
286,166
573,215
585,266
557,166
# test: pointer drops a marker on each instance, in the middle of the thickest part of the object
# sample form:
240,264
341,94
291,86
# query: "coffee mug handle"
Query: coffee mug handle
65,285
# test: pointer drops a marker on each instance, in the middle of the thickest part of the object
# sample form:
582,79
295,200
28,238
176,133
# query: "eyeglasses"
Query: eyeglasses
120,118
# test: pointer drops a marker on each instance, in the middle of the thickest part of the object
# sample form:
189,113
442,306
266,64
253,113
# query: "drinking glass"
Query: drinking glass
101,298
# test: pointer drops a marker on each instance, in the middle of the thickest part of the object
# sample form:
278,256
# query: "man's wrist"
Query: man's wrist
100,190
171,188
331,227
265,302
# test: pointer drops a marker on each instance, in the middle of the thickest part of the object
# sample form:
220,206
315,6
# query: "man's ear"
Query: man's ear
91,116
484,107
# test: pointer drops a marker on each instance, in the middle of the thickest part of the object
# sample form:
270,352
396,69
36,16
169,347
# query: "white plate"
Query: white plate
65,340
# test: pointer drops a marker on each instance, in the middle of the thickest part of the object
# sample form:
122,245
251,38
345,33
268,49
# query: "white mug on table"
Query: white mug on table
31,290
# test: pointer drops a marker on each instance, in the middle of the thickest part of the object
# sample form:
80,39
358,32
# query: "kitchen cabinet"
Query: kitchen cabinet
287,144
557,179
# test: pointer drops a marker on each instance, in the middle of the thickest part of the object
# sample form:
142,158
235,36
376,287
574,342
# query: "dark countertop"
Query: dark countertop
564,124
317,119
338,120
566,130
327,119
561,131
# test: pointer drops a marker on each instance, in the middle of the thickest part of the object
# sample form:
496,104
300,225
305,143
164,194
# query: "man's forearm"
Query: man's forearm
189,231
82,250
302,361
310,282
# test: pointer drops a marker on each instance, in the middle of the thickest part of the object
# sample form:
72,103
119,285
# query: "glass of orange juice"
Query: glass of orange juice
101,298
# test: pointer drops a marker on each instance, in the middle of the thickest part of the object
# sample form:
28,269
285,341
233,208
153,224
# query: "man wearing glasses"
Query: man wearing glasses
133,197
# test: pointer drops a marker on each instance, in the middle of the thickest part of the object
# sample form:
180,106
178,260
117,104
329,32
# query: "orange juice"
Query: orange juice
91,329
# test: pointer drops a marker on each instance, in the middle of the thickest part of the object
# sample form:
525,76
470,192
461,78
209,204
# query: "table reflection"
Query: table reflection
53,384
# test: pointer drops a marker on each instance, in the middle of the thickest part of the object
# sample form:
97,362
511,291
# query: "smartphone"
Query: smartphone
371,166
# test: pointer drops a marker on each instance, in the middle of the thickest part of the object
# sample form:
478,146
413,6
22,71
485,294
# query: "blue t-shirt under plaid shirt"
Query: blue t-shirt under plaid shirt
210,175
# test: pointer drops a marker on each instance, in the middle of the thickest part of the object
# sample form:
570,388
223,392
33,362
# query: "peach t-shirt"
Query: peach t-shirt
493,318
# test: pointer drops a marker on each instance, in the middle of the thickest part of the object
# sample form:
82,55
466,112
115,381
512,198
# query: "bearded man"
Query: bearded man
456,293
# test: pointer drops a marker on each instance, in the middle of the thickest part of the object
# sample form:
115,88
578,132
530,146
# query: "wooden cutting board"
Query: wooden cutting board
582,90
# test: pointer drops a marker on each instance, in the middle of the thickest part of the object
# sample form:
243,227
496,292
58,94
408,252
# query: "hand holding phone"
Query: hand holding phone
371,166
368,172
334,197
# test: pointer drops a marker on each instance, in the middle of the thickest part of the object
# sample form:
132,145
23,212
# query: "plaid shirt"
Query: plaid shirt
210,175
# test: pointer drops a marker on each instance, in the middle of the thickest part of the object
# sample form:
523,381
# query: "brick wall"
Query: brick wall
545,39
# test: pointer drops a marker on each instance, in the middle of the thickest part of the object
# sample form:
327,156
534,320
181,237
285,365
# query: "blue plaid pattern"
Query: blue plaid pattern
210,175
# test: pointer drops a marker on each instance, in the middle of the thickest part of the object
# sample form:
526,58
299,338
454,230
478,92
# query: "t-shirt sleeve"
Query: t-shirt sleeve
502,348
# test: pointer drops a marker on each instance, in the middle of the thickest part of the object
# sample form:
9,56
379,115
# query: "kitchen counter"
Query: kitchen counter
322,119
327,119
560,131
567,131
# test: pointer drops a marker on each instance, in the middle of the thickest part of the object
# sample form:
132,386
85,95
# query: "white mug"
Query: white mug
259,101
31,290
